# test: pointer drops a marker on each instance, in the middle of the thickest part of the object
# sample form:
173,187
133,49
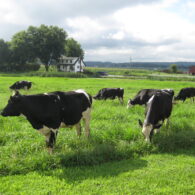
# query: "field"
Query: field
115,160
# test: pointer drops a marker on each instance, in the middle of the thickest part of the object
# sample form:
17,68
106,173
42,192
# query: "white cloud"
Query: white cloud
11,13
111,30
152,24
84,28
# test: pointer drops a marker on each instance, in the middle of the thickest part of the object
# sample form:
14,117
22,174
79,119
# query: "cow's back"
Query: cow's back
144,95
72,105
159,107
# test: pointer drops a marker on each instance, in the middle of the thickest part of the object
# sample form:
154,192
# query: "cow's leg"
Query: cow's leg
50,137
158,126
86,118
46,132
146,132
53,137
78,127
167,122
121,100
157,130
151,134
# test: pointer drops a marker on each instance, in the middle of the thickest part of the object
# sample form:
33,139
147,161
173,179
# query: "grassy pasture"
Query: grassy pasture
115,160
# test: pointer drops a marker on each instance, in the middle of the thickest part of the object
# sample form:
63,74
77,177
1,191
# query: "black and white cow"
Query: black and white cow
186,93
158,109
110,93
21,85
49,111
144,95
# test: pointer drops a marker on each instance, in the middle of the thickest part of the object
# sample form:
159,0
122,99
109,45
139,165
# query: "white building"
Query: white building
70,64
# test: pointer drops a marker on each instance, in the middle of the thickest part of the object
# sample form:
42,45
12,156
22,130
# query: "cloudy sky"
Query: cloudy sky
112,30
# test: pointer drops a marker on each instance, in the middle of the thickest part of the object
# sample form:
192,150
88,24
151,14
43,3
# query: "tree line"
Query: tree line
43,44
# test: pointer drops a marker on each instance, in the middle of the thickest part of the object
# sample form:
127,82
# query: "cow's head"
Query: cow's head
130,103
97,97
180,97
148,130
13,106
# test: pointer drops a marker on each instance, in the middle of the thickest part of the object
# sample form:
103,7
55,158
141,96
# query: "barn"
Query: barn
70,64
192,70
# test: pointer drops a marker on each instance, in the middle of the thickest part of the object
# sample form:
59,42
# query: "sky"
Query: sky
112,30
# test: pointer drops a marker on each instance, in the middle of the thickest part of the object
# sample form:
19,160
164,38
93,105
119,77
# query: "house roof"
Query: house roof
68,61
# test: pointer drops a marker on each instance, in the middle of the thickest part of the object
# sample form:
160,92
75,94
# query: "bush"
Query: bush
19,68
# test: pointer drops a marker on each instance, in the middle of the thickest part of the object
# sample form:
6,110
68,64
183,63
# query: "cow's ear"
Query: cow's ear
140,123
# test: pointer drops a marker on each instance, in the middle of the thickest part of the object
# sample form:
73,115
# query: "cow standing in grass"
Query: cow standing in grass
158,109
144,95
110,93
21,85
186,93
49,111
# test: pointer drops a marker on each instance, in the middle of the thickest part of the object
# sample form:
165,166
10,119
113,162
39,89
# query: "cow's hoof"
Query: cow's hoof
50,150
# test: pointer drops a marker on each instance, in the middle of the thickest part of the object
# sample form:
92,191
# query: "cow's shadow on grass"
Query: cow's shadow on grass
105,170
176,139
79,159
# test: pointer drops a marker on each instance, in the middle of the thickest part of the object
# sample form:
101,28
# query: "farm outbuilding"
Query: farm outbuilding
192,70
70,64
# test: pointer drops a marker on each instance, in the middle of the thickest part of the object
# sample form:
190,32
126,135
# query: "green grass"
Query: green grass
116,159
91,72
142,74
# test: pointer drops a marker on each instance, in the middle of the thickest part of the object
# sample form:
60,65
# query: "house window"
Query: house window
70,61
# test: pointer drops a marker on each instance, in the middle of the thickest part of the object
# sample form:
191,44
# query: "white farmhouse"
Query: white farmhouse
70,64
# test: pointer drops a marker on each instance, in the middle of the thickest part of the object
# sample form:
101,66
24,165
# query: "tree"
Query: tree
4,52
73,49
44,42
173,68
48,42
21,48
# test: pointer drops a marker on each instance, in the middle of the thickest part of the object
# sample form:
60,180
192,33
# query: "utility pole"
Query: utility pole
130,61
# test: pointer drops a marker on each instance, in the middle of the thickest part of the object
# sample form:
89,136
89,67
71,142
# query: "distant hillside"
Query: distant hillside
141,65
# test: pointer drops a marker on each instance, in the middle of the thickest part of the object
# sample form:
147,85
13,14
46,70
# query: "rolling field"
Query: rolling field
115,160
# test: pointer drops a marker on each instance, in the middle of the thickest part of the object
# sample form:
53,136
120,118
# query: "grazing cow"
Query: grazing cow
158,109
21,85
186,93
49,111
144,95
110,93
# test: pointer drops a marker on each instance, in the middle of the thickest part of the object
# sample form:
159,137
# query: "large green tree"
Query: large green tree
43,42
73,48
4,52
48,42
21,48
